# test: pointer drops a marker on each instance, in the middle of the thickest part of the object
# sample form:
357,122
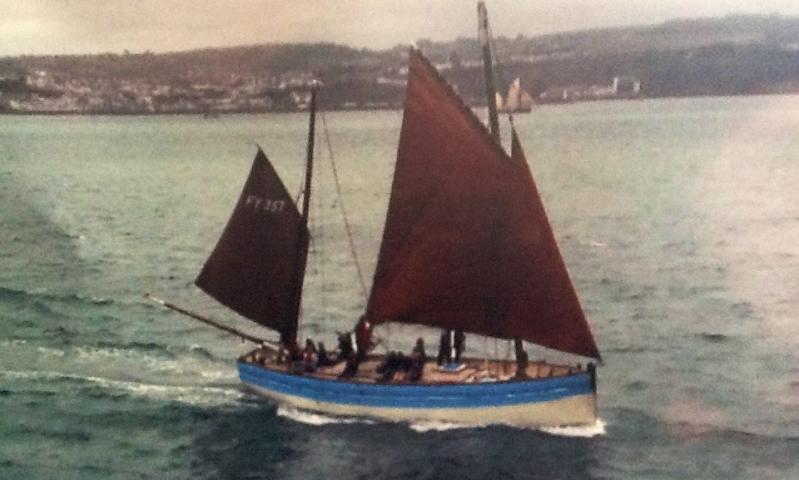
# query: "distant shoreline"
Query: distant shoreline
209,115
217,115
730,56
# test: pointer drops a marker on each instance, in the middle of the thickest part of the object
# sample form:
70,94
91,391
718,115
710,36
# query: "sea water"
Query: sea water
678,220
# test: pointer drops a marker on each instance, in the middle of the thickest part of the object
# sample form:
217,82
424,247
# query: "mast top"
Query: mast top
488,70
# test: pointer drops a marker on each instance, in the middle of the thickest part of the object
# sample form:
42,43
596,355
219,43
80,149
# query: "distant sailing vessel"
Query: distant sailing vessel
467,246
518,100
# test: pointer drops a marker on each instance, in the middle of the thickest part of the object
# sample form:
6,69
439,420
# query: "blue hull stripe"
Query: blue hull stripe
472,395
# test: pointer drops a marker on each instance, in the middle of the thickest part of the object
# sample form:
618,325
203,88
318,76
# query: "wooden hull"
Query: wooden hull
555,401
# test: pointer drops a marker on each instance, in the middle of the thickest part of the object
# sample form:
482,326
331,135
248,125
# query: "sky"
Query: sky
96,26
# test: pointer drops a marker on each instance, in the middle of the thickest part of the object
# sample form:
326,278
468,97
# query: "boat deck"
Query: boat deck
471,370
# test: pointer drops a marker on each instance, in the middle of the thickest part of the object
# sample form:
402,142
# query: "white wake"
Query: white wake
424,426
317,419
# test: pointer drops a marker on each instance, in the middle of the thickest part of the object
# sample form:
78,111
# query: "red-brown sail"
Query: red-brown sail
253,269
447,258
538,295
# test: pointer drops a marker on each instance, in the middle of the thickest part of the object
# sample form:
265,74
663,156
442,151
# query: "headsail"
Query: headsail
253,269
538,296
447,256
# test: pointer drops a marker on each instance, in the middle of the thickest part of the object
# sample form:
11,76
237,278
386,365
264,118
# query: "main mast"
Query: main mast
300,260
493,116
488,70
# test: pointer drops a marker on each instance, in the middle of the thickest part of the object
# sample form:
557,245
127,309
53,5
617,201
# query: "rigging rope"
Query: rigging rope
347,226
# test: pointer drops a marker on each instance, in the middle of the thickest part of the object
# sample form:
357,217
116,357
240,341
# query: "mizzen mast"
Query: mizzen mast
301,257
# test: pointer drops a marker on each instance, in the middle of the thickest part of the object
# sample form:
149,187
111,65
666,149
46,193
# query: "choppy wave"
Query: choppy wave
160,360
13,294
634,349
636,385
713,337
689,423
195,395
149,358
104,348
137,346
61,332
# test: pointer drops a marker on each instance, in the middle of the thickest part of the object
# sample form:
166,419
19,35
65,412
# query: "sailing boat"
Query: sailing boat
518,100
466,246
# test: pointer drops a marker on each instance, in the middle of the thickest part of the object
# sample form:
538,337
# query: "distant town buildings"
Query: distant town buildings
41,91
733,55
622,87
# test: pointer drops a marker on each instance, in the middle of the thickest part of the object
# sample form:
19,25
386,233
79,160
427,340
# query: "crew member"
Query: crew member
418,359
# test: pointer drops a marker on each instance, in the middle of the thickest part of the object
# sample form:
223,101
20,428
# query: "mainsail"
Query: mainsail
467,244
254,267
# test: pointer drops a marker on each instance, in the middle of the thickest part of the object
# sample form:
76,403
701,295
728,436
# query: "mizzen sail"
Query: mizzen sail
253,269
457,212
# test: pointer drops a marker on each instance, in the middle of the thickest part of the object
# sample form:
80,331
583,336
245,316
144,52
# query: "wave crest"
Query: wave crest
13,294
196,395
423,426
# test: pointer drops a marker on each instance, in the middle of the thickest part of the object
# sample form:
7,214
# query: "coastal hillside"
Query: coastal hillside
735,55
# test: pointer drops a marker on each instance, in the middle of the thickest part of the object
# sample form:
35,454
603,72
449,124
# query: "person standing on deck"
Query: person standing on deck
363,343
444,348
309,357
418,359
363,338
322,359
459,345
522,360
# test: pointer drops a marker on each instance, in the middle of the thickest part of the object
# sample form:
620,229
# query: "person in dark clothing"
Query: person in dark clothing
309,358
522,359
344,347
309,346
363,343
444,348
363,337
521,365
321,356
352,366
294,353
460,345
293,356
418,359
395,361
591,369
